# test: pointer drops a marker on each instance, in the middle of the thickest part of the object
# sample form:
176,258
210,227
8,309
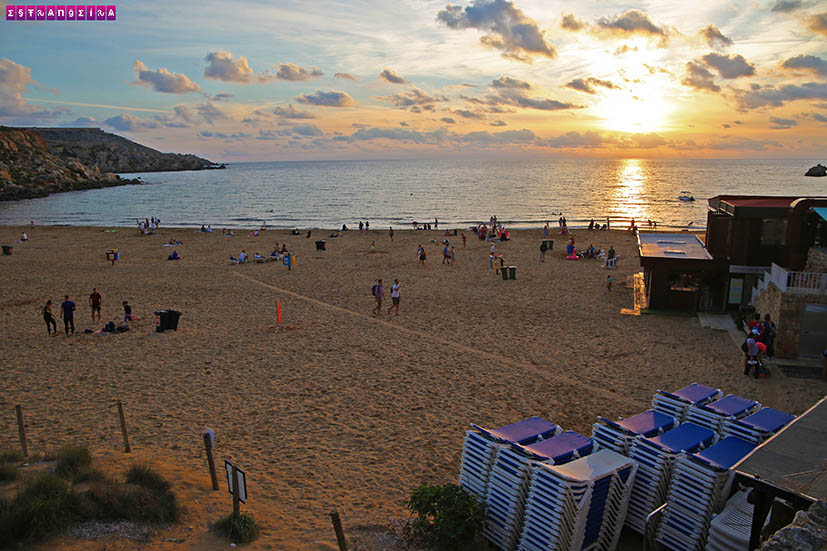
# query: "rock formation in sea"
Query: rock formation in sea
818,170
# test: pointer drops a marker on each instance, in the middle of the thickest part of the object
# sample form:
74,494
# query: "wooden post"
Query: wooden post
337,527
123,428
210,462
236,494
21,429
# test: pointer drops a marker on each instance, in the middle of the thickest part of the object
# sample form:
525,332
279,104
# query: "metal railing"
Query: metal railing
799,283
650,531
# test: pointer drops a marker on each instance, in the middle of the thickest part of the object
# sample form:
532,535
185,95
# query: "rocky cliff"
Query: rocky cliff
35,162
111,153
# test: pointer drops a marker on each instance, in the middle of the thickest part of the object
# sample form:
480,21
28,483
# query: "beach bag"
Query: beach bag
744,347
373,291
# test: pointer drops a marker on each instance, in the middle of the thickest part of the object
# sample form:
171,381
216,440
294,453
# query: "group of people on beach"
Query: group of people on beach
68,309
378,292
148,226
759,341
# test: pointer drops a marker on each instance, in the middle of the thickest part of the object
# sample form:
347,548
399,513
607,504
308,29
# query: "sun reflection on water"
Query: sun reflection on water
629,198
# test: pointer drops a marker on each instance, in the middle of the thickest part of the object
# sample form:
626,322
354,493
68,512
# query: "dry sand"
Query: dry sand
339,409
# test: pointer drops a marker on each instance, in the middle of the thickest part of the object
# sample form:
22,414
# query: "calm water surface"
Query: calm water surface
327,194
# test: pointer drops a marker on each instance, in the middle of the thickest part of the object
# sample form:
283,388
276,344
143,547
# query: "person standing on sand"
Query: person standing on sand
49,318
395,296
127,312
95,302
390,232
378,293
367,226
67,312
609,282
463,240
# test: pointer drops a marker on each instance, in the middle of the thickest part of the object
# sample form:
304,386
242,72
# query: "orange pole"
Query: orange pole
278,307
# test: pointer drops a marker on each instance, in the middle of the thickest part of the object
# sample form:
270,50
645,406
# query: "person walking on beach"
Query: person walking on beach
609,282
395,296
67,312
543,251
361,225
446,254
49,318
422,256
463,239
95,302
127,312
378,293
390,232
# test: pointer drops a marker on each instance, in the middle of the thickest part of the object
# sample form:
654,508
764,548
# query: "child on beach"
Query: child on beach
609,282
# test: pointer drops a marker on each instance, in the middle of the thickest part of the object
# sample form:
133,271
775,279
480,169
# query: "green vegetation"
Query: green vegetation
447,518
41,508
71,460
8,456
7,472
244,529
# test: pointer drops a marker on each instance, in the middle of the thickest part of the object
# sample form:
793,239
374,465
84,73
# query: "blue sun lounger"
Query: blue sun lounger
716,414
677,403
759,426
619,435
656,458
508,482
698,489
481,446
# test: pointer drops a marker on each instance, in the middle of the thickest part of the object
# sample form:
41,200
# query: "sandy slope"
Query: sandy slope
340,408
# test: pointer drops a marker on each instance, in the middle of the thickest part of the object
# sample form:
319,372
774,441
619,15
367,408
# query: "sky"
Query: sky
252,80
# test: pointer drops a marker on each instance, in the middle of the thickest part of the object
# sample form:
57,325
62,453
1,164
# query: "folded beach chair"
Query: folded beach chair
619,435
759,426
611,263
508,482
233,260
579,505
677,403
481,444
715,415
656,458
731,528
698,489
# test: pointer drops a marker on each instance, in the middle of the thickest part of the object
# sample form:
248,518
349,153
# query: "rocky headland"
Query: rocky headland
35,162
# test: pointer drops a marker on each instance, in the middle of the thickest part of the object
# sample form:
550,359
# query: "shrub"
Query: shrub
244,529
71,460
144,475
7,472
40,509
447,518
87,474
8,456
107,500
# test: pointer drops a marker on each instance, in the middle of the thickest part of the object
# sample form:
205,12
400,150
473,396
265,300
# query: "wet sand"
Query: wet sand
339,408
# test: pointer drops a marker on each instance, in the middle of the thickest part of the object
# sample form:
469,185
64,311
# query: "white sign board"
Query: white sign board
242,481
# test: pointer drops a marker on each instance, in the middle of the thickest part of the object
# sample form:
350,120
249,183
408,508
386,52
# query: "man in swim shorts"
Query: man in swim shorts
95,302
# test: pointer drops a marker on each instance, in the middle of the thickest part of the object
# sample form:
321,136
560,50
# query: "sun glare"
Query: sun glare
635,111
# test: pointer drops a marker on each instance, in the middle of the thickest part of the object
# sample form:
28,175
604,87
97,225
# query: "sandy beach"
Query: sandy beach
338,408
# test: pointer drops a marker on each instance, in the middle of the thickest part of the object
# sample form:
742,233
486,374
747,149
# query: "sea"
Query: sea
458,192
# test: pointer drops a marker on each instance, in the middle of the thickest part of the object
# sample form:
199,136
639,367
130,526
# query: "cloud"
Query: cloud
163,81
331,98
715,38
818,23
740,144
819,117
485,137
468,114
642,141
786,6
291,112
223,96
498,123
306,129
625,49
13,80
129,123
698,77
395,134
776,97
225,136
509,30
588,85
777,123
738,122
586,140
81,122
572,23
448,120
222,66
807,62
390,76
210,112
403,123
414,100
290,72
733,66
344,76
185,112
631,22
508,82
654,69
726,125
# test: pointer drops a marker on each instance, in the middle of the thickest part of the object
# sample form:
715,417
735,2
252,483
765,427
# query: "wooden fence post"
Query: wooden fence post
123,428
337,527
21,429
210,462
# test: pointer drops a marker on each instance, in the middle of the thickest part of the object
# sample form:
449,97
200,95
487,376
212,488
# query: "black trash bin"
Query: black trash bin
321,245
161,317
172,319
7,249
549,244
512,272
504,271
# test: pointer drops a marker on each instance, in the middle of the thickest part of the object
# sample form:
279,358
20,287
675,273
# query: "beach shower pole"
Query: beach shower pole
210,462
123,428
21,429
337,527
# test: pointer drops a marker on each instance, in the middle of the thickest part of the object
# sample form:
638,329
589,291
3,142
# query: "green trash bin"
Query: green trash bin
7,249
512,272
549,243
504,271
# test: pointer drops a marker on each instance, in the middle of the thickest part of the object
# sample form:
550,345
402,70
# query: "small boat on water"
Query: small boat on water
686,196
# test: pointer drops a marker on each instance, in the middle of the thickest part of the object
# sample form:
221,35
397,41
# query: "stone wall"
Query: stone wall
785,310
807,532
816,261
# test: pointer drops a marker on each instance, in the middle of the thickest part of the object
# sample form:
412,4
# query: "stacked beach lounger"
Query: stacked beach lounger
481,447
508,482
716,415
656,458
759,426
677,403
730,530
699,487
619,435
579,505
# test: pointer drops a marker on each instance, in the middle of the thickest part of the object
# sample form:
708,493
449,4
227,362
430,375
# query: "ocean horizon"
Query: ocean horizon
522,193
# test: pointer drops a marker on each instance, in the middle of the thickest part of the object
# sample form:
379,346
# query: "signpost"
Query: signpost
237,484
